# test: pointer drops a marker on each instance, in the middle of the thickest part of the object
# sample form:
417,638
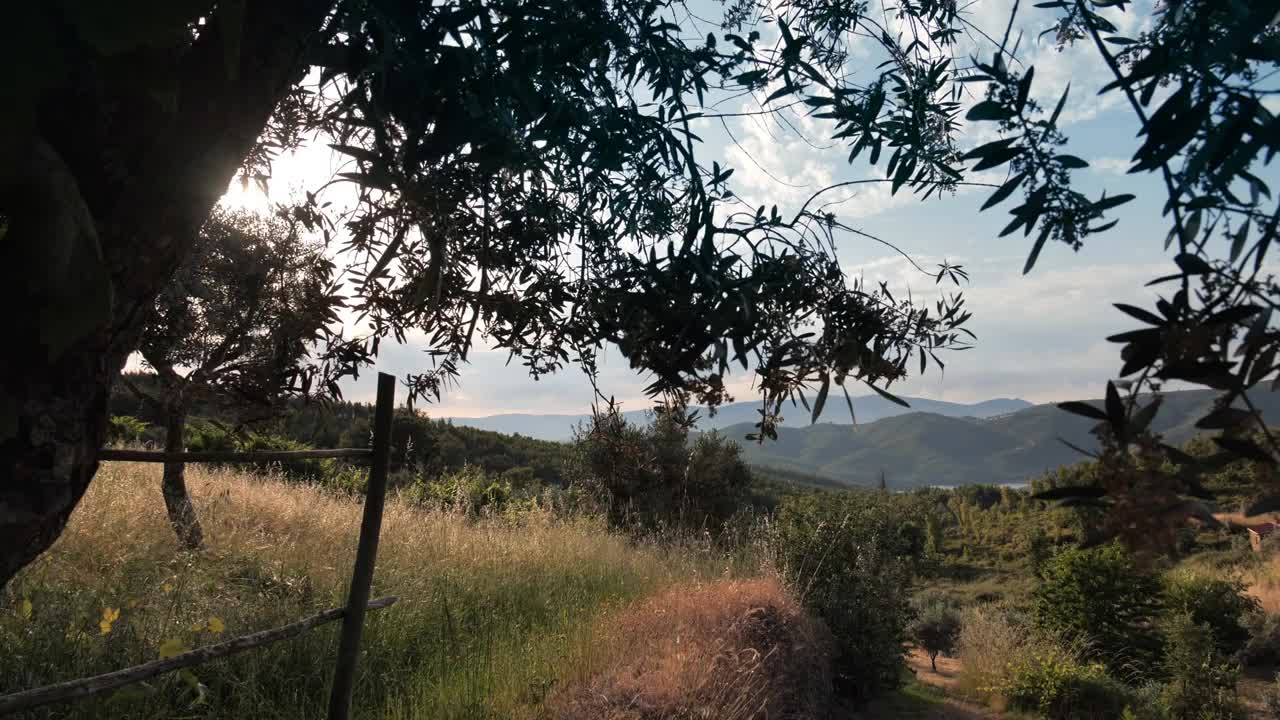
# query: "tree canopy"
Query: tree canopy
530,173
240,317
526,171
552,197
236,325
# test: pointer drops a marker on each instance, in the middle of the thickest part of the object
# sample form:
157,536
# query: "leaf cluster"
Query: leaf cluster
1197,83
528,174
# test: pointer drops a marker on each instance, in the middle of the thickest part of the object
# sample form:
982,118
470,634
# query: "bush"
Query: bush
1055,684
1263,646
126,429
732,650
469,490
1222,605
294,469
651,477
1145,703
847,560
1201,682
1271,698
936,627
343,476
204,436
1098,597
992,637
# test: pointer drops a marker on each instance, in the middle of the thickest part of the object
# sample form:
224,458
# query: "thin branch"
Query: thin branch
755,162
1142,115
1013,14
866,181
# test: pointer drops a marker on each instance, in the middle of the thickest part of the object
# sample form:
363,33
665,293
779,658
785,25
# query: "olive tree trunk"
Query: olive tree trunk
102,193
177,502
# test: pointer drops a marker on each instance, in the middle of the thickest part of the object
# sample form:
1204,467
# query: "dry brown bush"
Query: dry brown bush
989,645
731,650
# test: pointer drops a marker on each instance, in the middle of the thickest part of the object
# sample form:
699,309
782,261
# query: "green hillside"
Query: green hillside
911,450
920,449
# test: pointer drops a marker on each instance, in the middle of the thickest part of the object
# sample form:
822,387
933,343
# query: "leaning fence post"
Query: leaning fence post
366,554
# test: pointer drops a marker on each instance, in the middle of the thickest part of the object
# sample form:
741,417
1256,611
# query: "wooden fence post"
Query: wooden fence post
366,553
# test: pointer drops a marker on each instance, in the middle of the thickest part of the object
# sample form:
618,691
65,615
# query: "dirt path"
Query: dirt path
927,698
946,677
908,706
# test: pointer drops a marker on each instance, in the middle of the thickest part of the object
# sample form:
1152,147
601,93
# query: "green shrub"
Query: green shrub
1263,646
846,559
204,436
1220,604
1099,598
653,476
294,469
469,490
344,476
1201,682
1053,683
126,429
521,478
1145,703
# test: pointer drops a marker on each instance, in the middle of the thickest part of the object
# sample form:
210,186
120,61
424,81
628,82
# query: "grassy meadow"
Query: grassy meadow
494,615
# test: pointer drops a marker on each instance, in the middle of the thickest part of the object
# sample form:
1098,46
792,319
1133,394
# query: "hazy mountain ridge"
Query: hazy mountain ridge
868,408
932,443
929,449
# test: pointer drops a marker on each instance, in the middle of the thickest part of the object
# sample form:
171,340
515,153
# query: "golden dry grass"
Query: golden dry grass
732,650
946,677
305,530
1237,520
493,613
989,644
1264,583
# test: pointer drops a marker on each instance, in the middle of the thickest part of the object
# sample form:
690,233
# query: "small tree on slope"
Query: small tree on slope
236,324
936,628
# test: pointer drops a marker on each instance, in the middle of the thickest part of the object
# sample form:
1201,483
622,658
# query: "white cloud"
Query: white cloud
1110,165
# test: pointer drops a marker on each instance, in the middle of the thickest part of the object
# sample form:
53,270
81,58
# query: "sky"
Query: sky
1041,336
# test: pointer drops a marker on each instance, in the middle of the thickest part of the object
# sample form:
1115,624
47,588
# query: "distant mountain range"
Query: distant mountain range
868,408
932,443
923,448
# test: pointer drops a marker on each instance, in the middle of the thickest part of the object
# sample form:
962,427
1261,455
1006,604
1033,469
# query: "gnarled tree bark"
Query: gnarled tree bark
100,210
177,501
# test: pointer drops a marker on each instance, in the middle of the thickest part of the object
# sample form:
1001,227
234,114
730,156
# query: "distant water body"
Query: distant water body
1015,486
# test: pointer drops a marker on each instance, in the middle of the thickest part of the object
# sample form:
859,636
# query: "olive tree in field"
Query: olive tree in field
936,627
236,324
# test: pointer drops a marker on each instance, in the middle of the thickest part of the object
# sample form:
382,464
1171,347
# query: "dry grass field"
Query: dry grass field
496,616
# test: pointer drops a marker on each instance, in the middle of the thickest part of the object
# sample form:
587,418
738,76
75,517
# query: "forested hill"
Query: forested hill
436,445
910,450
919,449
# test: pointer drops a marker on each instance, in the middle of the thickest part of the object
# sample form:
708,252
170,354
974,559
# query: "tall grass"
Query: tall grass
1263,579
991,641
493,614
